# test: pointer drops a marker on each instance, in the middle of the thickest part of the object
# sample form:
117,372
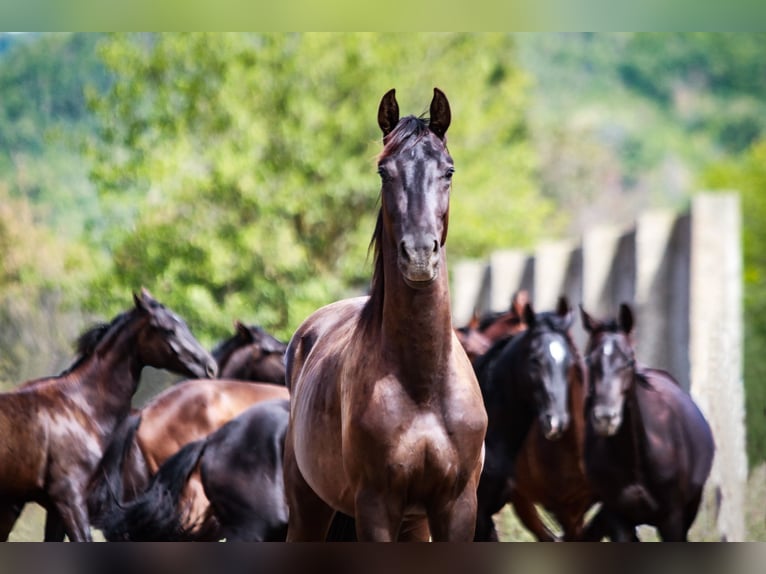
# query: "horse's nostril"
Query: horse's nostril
403,250
211,369
436,246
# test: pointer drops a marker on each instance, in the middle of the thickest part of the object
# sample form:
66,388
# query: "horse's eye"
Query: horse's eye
449,172
382,173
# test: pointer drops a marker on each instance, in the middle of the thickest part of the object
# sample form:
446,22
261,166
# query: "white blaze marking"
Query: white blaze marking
608,348
557,351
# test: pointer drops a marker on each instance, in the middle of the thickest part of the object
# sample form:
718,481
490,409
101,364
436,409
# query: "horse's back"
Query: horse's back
192,409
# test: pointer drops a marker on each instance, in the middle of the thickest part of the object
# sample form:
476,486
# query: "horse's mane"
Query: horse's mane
409,130
89,339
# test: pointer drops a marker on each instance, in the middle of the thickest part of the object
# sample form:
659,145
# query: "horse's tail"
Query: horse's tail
155,515
106,484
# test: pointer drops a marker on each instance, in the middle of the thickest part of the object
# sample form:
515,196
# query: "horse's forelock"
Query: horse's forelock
406,128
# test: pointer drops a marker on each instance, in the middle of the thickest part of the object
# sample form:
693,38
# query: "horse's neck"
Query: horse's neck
110,376
417,325
633,424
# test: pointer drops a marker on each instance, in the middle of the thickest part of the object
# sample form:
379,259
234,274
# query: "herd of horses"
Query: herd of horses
379,421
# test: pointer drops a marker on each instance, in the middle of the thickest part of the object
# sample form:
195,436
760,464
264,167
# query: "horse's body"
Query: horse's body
386,421
183,413
529,380
240,466
648,448
53,430
251,354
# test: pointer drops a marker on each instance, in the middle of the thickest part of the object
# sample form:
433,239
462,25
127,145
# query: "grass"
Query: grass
30,525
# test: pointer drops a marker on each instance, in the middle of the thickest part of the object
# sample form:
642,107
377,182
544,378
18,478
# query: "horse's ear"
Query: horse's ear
144,300
529,315
440,114
588,322
626,318
564,311
520,298
388,112
242,329
473,323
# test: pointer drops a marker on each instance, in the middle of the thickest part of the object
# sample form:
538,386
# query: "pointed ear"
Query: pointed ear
588,322
242,329
388,112
520,298
626,318
142,301
564,311
440,114
529,315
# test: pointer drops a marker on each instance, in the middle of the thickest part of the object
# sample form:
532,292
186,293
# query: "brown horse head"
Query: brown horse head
611,365
251,354
416,173
168,343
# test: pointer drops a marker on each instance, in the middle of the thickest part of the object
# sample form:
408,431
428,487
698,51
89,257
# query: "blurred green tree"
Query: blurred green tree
240,167
748,175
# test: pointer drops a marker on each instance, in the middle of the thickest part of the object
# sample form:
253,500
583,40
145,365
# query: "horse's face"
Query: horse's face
165,341
416,175
610,366
611,372
548,364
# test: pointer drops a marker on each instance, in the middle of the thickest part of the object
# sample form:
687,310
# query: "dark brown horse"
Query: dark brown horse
251,354
183,413
240,468
525,380
386,421
482,332
53,430
648,448
547,472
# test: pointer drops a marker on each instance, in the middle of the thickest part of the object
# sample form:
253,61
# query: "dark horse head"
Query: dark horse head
611,365
251,354
548,361
416,172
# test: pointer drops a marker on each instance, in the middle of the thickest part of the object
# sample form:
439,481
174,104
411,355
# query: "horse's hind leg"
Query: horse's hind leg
54,526
9,514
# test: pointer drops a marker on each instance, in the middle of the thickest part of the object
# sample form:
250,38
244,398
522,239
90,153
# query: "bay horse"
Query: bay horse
240,468
53,430
386,417
525,380
547,472
183,413
648,447
251,354
481,332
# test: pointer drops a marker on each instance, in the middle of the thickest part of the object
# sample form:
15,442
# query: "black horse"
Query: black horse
522,378
240,466
648,448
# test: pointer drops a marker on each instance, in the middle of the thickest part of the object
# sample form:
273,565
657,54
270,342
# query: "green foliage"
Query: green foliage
241,166
748,175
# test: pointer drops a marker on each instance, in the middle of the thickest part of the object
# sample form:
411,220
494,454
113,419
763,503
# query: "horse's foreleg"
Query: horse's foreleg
672,529
378,516
456,522
74,515
530,518
492,495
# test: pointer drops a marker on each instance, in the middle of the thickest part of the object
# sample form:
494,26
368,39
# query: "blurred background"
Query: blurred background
233,175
